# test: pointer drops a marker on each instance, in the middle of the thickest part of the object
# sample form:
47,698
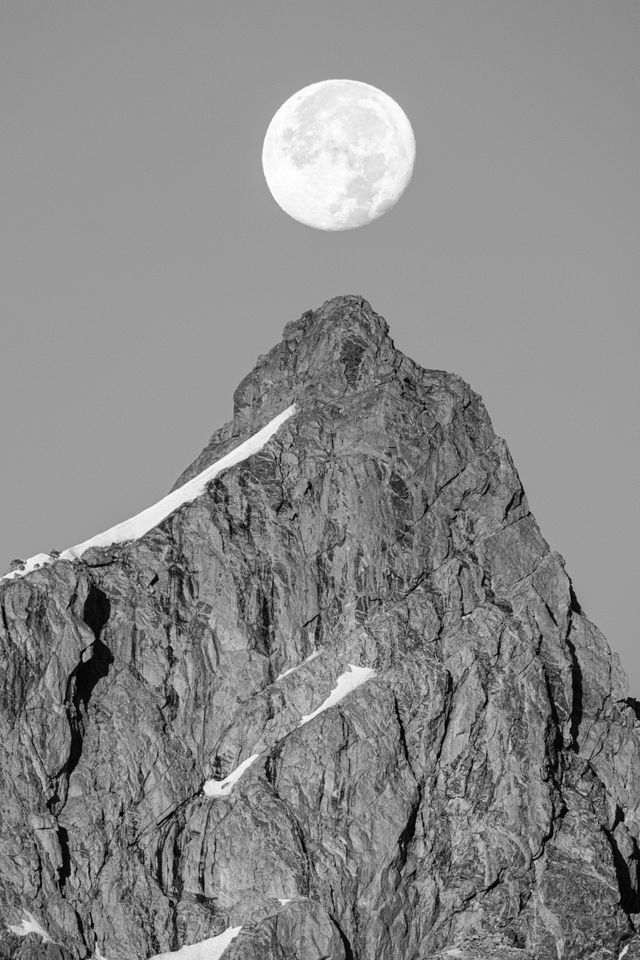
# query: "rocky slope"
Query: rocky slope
344,704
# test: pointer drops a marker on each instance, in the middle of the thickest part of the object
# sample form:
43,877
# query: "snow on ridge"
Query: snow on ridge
312,656
211,949
136,526
222,788
28,925
348,681
33,563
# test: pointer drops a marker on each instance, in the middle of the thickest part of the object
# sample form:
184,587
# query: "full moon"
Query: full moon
338,154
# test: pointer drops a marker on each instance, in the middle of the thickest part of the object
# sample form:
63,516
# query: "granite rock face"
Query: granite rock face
473,788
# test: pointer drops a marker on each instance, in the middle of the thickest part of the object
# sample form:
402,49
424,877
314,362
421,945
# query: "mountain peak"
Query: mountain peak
331,352
335,699
340,317
328,350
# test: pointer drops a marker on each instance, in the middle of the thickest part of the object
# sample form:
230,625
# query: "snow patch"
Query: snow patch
285,900
28,925
312,656
211,949
348,681
33,563
141,523
623,952
222,788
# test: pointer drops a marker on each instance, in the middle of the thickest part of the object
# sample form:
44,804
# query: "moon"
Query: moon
338,154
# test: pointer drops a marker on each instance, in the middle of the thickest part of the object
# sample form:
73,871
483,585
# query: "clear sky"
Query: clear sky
144,264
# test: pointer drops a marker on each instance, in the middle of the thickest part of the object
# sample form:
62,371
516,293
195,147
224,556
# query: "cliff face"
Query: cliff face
470,787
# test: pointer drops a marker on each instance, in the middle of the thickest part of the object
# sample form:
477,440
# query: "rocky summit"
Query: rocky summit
337,701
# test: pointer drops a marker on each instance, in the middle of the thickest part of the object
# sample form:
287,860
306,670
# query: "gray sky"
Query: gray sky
144,264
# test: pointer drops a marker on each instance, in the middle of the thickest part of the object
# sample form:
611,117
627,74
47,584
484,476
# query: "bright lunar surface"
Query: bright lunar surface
338,154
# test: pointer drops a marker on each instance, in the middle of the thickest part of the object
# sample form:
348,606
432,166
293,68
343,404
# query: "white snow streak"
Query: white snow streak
28,925
33,563
623,952
211,949
312,656
137,526
347,682
222,788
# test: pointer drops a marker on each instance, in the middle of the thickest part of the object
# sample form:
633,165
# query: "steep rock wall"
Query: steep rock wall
478,793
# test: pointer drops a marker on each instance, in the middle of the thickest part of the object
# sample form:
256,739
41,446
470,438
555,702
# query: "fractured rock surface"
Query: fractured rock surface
470,787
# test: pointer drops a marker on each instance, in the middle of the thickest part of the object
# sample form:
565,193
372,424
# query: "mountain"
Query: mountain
332,697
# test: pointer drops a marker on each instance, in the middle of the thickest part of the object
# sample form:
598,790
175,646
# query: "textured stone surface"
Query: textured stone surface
478,798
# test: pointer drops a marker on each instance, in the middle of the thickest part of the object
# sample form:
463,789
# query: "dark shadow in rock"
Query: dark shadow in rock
628,874
348,949
96,610
96,613
634,704
64,871
576,683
